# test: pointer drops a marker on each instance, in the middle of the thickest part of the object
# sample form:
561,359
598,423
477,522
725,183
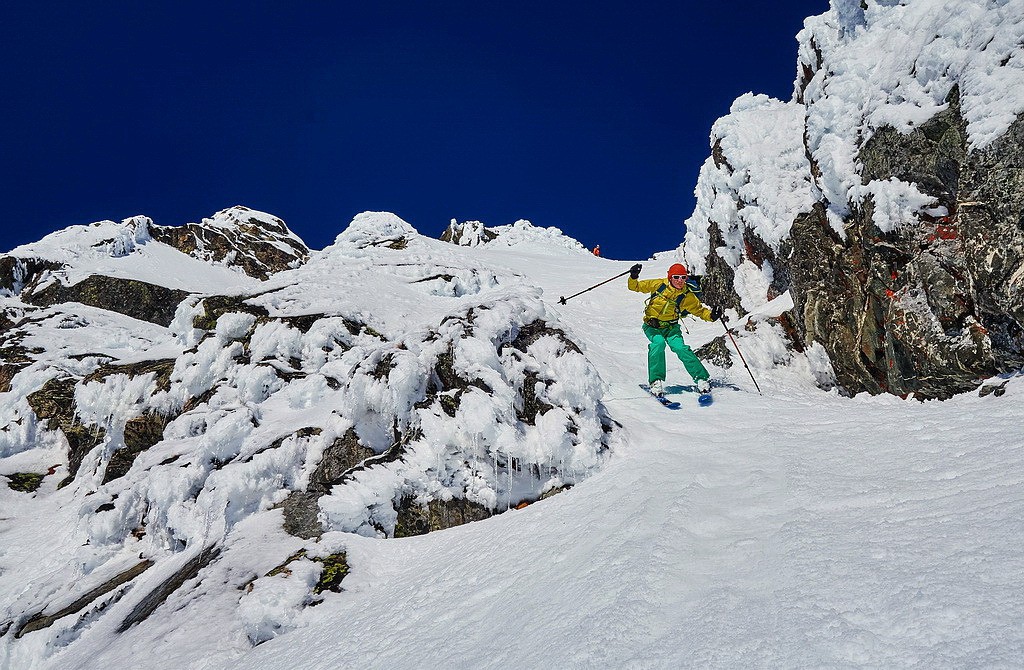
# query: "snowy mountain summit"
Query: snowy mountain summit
386,386
475,233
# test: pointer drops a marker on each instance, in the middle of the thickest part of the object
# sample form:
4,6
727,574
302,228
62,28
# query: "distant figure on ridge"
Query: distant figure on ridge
670,299
597,250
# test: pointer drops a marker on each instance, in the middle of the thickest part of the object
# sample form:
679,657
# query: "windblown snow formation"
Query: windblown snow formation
171,396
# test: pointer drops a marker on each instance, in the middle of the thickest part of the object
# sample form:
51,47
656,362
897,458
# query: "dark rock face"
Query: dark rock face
259,245
447,389
56,403
140,434
157,596
716,352
137,299
300,507
416,519
161,368
40,621
13,358
935,306
717,279
216,306
16,273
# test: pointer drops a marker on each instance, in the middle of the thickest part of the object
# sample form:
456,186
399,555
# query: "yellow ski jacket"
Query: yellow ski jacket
668,304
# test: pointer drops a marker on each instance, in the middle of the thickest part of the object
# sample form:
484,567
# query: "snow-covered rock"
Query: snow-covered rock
388,386
468,233
143,270
884,195
254,243
522,232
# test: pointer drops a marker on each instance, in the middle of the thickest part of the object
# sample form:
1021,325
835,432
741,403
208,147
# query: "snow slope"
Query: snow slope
793,529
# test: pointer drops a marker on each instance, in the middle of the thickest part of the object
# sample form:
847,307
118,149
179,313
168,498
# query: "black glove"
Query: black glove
718,313
634,272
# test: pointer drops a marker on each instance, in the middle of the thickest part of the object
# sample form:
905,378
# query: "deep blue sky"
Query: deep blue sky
592,117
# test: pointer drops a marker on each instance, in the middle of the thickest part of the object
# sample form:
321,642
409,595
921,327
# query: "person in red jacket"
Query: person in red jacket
669,299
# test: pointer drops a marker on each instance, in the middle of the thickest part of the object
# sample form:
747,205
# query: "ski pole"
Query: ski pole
729,333
561,300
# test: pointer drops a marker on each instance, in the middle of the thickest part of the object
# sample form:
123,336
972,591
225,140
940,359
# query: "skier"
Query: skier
597,250
669,300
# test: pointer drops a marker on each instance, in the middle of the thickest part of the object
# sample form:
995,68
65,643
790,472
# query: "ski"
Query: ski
704,398
665,402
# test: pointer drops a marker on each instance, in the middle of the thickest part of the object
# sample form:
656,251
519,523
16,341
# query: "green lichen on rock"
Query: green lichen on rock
25,482
370,331
335,569
283,569
450,401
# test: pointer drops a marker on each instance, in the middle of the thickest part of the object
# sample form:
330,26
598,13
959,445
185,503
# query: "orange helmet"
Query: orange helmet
677,269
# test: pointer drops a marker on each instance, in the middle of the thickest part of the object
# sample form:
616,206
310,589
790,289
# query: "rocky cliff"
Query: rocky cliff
887,197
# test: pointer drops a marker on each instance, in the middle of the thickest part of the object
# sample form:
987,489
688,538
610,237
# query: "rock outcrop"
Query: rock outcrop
897,228
467,234
257,243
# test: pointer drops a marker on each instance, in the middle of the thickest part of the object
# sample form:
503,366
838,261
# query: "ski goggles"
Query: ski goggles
677,277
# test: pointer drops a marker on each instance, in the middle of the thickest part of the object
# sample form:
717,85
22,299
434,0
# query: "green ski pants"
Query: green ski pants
671,336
